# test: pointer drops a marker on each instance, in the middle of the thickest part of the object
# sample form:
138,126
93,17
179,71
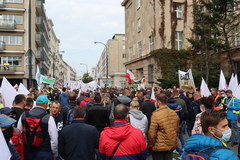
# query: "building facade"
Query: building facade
151,25
24,27
115,63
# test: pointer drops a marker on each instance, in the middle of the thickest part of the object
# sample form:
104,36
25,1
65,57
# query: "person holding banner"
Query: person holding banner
233,110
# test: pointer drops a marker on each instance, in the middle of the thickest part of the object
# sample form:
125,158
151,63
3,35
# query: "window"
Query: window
138,4
150,73
139,25
124,56
13,1
12,61
123,47
151,43
139,46
130,53
123,38
12,18
179,10
179,41
11,40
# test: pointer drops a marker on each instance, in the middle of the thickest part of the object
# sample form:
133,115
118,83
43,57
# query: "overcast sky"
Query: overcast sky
78,23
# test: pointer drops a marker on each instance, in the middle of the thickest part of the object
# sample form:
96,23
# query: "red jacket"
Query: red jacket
132,146
17,140
87,99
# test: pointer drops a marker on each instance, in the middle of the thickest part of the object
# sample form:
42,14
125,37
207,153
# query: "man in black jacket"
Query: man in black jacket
147,107
98,115
78,140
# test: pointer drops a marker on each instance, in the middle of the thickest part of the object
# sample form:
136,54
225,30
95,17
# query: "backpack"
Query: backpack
33,130
203,154
69,116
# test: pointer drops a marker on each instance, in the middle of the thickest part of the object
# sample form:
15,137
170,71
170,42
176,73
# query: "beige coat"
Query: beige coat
163,131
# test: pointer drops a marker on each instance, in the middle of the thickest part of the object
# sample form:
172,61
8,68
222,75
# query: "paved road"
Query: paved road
177,157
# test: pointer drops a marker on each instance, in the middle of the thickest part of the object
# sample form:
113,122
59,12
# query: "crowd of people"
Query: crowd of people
121,124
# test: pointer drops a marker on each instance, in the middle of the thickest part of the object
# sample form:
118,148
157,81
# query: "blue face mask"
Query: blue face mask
226,135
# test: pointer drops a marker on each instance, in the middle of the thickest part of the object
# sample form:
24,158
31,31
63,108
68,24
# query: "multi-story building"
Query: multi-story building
151,25
24,26
116,58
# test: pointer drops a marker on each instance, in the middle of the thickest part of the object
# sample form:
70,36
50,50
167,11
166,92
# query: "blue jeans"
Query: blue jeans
234,127
38,155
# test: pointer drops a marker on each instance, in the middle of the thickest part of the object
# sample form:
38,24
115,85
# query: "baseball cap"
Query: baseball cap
7,110
6,121
42,99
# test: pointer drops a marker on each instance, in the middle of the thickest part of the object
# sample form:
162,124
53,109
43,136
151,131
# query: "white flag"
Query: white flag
22,89
8,93
231,83
204,90
236,93
222,82
4,151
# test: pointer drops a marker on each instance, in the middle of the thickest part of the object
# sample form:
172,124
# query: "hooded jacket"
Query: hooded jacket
176,106
200,142
63,99
139,120
86,99
133,145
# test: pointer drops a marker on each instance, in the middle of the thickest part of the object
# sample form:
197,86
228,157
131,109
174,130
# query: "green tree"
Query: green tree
214,23
87,78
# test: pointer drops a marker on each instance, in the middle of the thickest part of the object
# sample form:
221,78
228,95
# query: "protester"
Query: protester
193,110
63,98
206,104
56,114
19,104
127,141
85,100
29,104
217,99
212,143
44,146
6,124
137,118
67,110
163,131
185,98
80,98
17,138
147,107
78,140
233,109
98,115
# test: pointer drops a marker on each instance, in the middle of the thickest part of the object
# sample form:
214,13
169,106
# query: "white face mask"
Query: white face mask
226,135
202,108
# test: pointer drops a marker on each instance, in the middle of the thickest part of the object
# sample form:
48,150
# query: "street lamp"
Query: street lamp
85,65
106,48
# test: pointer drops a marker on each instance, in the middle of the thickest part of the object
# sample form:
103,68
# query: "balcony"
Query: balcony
39,54
7,24
39,39
2,4
7,69
39,6
39,23
2,46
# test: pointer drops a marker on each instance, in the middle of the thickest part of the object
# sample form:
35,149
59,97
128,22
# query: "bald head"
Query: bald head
120,111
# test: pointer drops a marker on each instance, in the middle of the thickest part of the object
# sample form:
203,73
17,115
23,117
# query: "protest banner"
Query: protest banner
8,93
4,151
47,80
186,81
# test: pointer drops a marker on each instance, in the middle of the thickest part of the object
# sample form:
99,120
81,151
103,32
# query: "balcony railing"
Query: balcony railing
2,4
7,69
7,24
39,6
2,45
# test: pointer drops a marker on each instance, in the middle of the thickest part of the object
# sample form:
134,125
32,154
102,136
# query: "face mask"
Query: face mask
202,108
223,96
226,135
8,133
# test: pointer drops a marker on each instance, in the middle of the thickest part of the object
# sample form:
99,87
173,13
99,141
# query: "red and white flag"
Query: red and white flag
153,98
129,75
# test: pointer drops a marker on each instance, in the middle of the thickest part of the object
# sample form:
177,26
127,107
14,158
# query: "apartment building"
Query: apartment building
151,25
115,63
24,25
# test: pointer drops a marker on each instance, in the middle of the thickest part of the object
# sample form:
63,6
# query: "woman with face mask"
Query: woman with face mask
6,125
206,104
